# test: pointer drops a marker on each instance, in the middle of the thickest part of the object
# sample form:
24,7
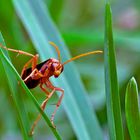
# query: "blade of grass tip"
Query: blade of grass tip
132,110
41,29
13,87
111,81
10,68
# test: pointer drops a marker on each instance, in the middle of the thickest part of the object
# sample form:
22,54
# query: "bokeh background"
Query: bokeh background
81,24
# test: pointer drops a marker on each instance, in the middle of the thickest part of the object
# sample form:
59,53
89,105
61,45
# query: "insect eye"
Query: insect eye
53,67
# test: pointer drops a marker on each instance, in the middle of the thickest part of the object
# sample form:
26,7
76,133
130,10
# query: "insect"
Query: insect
39,74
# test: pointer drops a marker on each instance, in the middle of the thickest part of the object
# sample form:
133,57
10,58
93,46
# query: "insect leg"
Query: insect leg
49,85
17,51
46,91
57,105
35,74
43,105
32,61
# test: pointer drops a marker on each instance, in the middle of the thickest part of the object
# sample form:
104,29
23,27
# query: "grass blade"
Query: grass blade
41,29
132,110
11,73
112,93
13,87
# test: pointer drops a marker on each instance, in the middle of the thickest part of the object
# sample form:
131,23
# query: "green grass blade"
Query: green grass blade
41,29
17,102
11,73
112,93
132,110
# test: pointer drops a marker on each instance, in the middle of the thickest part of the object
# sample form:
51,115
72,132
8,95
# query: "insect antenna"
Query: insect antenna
82,55
57,50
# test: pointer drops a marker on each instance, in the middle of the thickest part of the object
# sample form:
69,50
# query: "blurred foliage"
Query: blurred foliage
81,23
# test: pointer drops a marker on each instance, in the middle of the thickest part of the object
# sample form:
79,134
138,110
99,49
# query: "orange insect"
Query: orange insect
39,74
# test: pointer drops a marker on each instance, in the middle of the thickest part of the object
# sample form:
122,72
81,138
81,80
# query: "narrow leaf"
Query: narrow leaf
13,87
132,110
112,93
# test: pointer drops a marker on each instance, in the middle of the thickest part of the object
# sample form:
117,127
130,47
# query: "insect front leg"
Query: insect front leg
57,105
43,105
49,85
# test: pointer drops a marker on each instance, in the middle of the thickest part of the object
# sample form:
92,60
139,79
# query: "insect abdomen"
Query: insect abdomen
32,83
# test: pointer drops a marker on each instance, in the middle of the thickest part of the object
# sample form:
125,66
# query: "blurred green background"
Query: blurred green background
81,24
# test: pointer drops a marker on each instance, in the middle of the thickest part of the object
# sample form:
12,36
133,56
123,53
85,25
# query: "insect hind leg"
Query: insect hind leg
32,61
16,51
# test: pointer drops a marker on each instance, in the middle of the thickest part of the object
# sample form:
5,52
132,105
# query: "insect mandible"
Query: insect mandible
39,74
